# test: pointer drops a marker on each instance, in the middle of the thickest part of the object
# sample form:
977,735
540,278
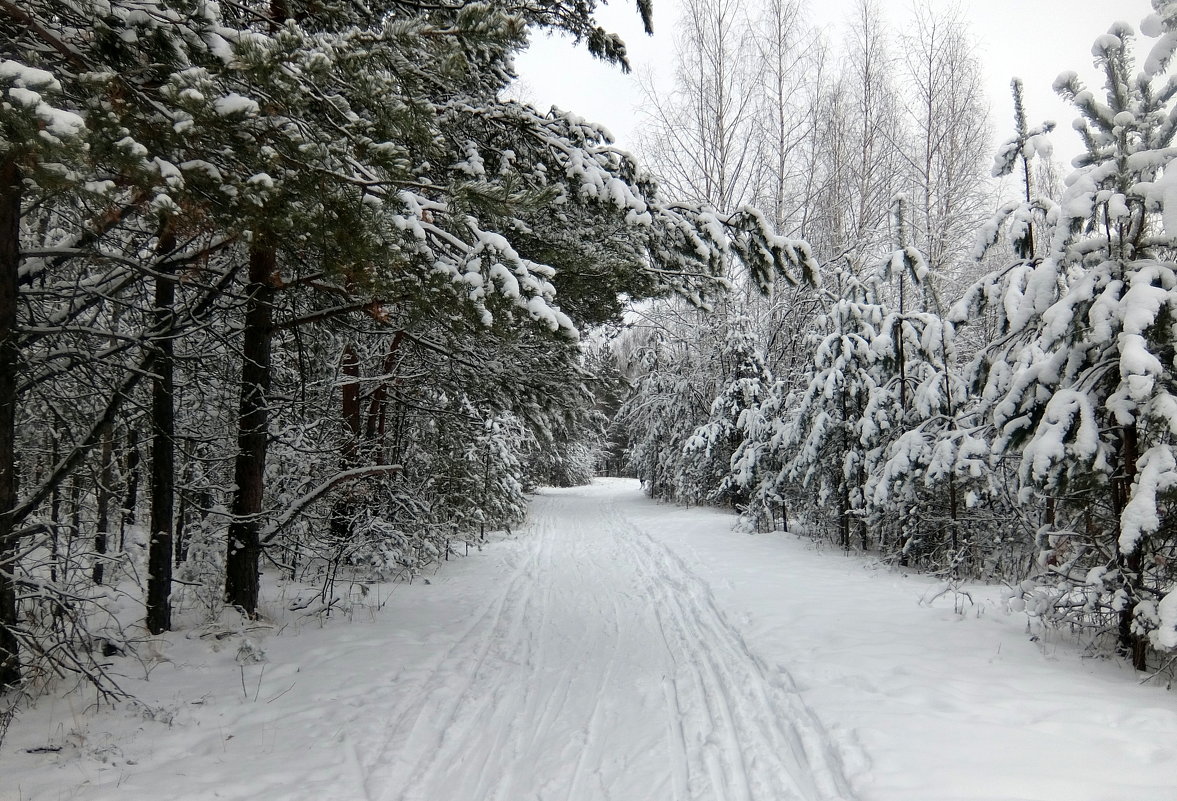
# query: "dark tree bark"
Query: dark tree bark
180,543
244,551
163,429
1129,643
54,512
104,497
844,489
377,419
352,418
10,200
350,364
132,501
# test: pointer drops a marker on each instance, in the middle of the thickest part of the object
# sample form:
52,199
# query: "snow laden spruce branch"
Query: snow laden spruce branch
1017,425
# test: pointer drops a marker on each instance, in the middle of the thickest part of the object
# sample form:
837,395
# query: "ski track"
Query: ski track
599,629
769,745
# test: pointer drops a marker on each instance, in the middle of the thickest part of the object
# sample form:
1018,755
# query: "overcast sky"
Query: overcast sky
1032,39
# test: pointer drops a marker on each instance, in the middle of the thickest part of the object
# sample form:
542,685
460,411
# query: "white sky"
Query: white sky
1031,39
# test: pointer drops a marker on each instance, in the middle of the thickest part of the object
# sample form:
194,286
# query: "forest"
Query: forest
979,383
295,288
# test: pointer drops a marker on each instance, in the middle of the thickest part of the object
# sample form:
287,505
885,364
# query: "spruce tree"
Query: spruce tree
1085,399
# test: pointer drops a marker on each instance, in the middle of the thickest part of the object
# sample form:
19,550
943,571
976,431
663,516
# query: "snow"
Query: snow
234,104
24,97
1067,427
616,648
132,147
1105,43
261,180
508,284
1124,118
25,76
1160,53
1152,26
1166,635
1157,471
25,91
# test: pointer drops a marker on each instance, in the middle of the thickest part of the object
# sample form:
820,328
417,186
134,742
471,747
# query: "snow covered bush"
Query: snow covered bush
928,479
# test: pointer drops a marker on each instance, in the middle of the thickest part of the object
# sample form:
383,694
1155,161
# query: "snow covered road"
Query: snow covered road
602,669
616,649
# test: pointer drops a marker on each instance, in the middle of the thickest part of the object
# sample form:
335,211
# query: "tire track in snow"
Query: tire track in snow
680,765
528,706
748,734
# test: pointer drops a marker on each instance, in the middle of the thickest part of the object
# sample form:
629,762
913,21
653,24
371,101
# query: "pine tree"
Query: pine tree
920,471
710,451
841,408
1085,399
1024,215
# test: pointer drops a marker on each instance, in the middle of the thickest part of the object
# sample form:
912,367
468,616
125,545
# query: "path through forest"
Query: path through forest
616,649
602,668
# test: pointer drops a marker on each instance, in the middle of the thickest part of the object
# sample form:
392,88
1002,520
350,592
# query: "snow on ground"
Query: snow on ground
620,649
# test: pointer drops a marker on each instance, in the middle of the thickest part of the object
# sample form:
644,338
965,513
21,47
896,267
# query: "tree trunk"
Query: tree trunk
898,335
843,480
54,513
1129,643
179,543
131,505
10,200
163,425
104,498
863,531
75,521
352,418
351,407
377,419
244,550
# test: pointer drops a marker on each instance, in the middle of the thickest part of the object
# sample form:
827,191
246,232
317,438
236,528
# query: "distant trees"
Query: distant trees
703,136
947,119
837,136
